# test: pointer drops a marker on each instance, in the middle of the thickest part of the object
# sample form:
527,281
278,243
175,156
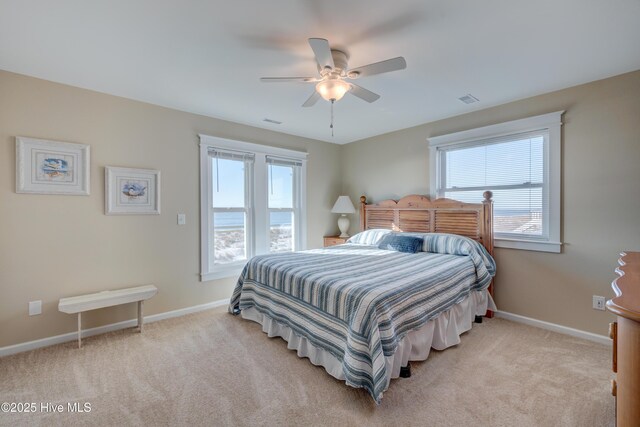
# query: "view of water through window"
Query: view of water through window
229,235
255,204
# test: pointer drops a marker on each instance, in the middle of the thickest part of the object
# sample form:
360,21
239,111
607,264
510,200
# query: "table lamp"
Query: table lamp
343,206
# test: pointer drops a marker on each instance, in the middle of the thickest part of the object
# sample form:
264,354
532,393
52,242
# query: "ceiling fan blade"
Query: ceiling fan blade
363,93
380,67
323,52
315,96
288,79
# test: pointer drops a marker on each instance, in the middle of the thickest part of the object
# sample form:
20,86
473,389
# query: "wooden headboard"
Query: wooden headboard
420,214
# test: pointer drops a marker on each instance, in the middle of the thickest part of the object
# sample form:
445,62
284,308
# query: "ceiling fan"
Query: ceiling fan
332,84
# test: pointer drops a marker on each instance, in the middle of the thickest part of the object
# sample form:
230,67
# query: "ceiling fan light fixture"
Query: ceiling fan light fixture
332,89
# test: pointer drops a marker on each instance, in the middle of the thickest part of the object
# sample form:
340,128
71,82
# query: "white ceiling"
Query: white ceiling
206,57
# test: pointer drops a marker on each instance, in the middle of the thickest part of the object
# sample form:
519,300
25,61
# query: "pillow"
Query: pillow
369,237
400,243
453,244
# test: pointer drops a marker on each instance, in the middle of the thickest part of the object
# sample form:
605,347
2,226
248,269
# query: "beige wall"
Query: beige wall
600,188
57,246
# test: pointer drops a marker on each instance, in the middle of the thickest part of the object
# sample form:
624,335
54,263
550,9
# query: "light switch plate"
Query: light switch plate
182,219
35,307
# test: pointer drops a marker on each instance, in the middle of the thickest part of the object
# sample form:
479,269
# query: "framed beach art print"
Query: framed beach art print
131,191
51,167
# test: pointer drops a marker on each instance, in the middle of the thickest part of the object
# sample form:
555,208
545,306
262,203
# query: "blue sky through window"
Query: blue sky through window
228,183
280,187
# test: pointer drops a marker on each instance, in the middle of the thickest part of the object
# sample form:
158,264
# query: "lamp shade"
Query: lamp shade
332,89
343,206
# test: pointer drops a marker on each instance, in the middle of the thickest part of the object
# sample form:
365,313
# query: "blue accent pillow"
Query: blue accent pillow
400,243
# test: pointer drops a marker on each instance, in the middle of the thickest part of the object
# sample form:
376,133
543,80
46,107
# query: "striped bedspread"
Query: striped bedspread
357,301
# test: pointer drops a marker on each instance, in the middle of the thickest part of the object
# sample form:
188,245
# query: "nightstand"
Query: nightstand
334,240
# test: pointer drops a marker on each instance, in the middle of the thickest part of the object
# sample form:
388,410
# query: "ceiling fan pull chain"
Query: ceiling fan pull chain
331,126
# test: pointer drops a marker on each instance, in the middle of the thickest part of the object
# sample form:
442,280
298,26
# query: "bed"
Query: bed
362,311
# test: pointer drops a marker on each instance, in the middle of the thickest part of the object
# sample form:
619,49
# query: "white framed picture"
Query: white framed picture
131,191
51,167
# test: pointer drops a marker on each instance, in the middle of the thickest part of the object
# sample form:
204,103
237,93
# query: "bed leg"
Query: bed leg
405,371
478,319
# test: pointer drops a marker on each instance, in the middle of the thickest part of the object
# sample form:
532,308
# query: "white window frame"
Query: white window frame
256,203
231,268
295,209
551,123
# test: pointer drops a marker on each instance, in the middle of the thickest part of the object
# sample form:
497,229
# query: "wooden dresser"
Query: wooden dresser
625,333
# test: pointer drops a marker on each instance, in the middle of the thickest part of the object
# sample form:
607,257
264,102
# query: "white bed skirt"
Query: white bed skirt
439,333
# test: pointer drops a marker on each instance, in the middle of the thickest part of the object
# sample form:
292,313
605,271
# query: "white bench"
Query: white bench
103,299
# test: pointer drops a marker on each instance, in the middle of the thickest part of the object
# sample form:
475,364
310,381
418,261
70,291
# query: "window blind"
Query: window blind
513,169
231,155
280,161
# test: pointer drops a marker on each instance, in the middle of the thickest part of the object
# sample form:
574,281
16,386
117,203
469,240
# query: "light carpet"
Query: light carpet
212,368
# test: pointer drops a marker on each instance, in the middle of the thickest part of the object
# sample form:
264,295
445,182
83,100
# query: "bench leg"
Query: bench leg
79,330
140,319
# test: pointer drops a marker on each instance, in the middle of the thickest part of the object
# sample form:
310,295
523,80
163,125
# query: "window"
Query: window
252,202
519,162
284,211
230,206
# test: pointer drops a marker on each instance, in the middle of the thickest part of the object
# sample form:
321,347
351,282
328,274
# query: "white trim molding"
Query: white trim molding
550,123
530,245
528,124
72,336
565,330
232,144
225,272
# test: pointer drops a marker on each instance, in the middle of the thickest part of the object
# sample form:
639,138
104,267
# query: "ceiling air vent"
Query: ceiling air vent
468,99
275,122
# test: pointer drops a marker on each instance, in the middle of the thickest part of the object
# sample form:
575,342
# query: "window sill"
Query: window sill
528,245
222,274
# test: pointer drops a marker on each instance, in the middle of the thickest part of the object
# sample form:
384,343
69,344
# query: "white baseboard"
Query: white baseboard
71,336
601,339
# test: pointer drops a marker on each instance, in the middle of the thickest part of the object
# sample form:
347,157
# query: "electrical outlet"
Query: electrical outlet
598,302
182,219
35,307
